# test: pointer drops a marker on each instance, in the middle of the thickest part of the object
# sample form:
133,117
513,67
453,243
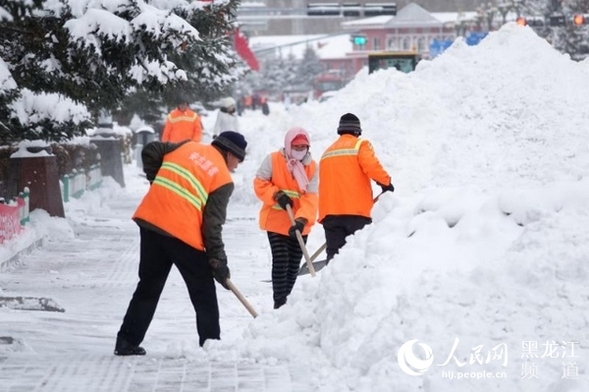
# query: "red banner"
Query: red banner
243,50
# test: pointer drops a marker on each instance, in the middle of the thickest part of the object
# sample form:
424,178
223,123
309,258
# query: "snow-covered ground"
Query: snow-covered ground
473,275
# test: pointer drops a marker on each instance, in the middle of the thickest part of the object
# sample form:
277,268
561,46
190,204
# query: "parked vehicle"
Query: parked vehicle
402,61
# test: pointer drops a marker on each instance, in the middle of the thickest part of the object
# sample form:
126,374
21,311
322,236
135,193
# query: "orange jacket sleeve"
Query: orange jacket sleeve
308,209
371,165
265,191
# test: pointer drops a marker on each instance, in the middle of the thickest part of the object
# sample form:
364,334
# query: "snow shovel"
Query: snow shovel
318,265
241,298
301,241
304,270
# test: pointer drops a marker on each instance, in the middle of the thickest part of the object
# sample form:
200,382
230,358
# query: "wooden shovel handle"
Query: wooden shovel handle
241,298
301,242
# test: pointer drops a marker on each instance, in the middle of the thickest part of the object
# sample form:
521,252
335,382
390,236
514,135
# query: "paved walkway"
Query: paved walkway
89,373
91,273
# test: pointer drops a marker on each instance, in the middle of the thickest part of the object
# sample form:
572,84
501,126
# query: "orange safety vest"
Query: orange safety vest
345,170
181,126
272,217
179,193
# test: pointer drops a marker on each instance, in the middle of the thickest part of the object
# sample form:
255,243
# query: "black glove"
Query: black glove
220,271
386,188
299,225
283,200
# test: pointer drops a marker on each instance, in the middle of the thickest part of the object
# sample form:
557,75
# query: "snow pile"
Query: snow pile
485,260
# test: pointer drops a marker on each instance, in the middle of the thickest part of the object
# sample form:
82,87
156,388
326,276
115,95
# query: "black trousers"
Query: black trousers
338,227
286,259
158,253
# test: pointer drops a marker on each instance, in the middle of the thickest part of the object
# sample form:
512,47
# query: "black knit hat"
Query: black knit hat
350,124
233,142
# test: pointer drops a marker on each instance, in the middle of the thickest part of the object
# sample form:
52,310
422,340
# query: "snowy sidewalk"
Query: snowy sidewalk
91,274
85,372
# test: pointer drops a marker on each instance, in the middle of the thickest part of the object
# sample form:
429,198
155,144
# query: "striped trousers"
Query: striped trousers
286,259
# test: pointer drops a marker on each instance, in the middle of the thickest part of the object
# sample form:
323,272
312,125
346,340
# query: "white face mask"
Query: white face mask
298,155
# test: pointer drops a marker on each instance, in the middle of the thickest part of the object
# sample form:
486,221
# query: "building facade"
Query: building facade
413,29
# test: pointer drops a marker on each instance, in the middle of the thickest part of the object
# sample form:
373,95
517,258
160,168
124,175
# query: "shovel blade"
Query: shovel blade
318,265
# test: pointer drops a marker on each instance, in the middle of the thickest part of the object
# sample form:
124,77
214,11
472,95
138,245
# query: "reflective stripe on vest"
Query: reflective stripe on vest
197,196
343,152
181,118
289,193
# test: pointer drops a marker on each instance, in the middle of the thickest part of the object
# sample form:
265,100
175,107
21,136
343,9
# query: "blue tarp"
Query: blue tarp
438,46
474,37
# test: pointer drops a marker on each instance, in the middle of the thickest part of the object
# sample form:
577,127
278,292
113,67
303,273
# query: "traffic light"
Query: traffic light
359,39
531,21
580,19
535,22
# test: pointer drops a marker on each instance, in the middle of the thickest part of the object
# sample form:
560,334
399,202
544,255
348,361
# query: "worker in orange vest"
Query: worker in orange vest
181,124
345,191
287,177
180,223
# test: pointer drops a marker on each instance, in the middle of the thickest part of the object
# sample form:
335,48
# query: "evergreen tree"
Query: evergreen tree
569,38
575,40
276,75
107,56
309,67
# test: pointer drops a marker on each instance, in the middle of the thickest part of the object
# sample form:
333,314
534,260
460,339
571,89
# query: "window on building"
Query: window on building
392,43
376,43
406,43
421,44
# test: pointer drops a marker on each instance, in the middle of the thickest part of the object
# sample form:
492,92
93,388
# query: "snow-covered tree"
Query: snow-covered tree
309,67
276,75
93,55
576,41
569,38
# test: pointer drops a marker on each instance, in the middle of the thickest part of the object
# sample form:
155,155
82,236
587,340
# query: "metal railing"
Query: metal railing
14,215
75,184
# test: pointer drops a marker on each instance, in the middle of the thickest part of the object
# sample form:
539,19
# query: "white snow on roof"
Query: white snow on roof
413,13
452,17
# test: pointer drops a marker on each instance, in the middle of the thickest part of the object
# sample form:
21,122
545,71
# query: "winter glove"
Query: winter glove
385,188
299,225
220,271
283,200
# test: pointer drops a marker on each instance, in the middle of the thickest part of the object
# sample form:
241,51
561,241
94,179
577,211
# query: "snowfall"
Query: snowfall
473,275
